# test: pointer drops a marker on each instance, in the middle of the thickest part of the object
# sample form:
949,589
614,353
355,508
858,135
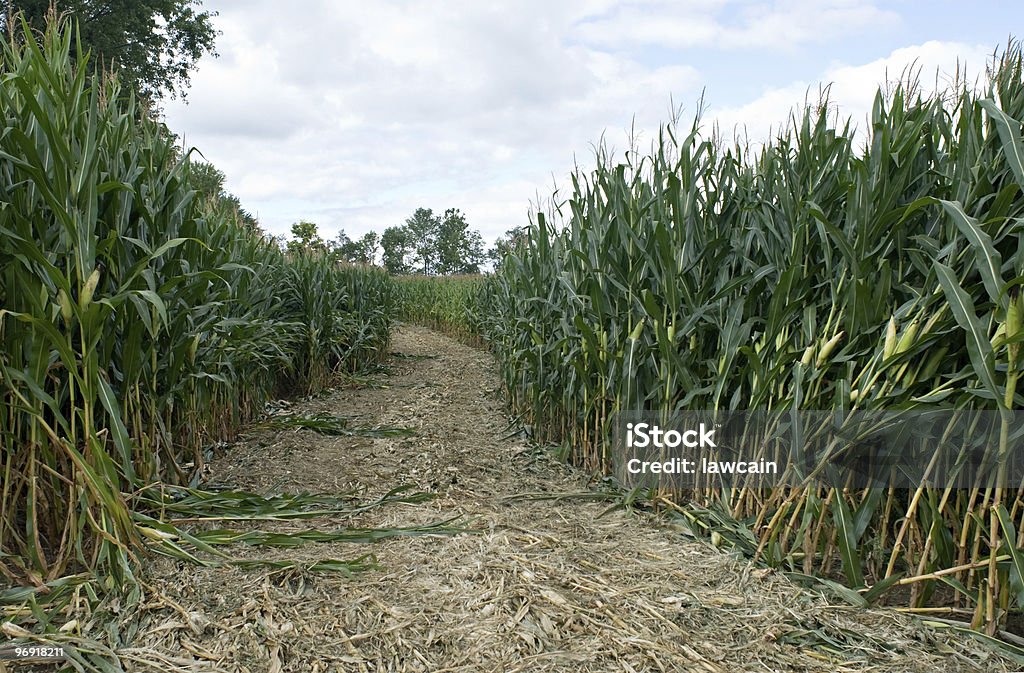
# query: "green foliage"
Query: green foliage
365,249
421,233
360,251
153,44
446,303
339,249
506,244
305,238
460,250
395,248
425,244
814,273
433,245
140,323
208,181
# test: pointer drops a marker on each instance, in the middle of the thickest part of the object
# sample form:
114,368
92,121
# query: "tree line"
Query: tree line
426,243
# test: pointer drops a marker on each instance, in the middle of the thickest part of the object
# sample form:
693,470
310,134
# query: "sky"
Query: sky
354,114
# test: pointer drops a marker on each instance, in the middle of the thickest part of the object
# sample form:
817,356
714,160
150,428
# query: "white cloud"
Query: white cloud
354,114
851,89
361,113
782,24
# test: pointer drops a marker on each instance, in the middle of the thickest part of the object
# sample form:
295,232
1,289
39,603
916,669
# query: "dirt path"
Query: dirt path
544,586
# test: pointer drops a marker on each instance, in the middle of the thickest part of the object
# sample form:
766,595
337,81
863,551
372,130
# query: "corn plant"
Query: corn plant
817,272
137,326
446,303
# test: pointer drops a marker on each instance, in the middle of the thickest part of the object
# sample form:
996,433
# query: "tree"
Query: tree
231,201
153,44
506,243
305,237
395,247
473,252
367,247
428,244
459,249
343,248
208,181
422,230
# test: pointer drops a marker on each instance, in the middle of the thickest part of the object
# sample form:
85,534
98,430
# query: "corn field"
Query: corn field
816,272
445,303
138,326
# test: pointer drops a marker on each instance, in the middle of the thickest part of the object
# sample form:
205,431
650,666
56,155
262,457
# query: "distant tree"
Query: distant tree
395,248
341,241
208,181
428,244
367,247
459,249
305,237
153,44
422,229
343,248
243,216
474,256
506,243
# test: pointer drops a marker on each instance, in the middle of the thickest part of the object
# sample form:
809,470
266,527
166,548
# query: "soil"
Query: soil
539,584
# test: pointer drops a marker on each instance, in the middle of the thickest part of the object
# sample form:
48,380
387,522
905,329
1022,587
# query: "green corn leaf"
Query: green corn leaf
121,439
987,259
846,540
979,346
1016,555
1009,133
